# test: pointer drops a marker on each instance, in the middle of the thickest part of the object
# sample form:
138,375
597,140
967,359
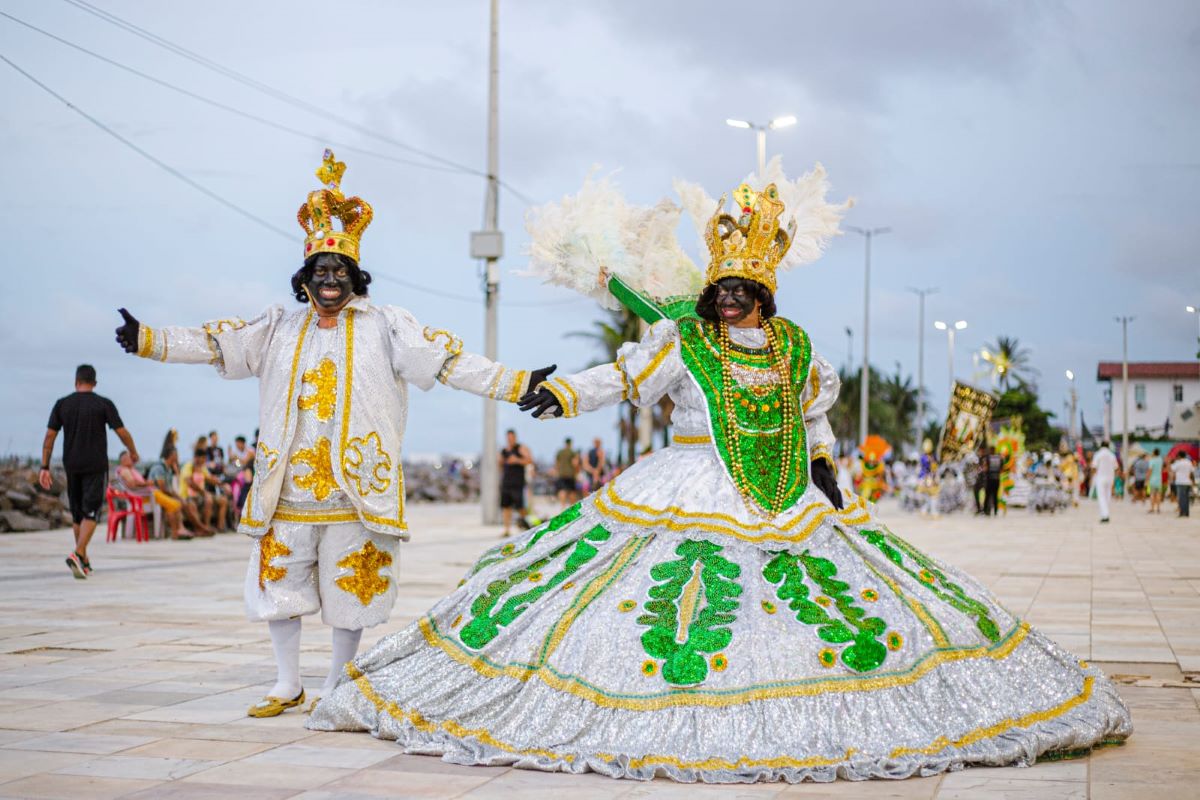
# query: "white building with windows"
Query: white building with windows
1164,398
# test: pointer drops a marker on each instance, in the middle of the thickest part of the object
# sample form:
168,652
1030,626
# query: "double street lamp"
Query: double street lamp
761,130
1074,402
950,328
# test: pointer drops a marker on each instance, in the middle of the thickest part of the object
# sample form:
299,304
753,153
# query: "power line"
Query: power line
278,94
175,173
224,107
257,220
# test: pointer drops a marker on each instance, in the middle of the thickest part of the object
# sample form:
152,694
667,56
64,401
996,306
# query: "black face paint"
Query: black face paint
330,286
736,299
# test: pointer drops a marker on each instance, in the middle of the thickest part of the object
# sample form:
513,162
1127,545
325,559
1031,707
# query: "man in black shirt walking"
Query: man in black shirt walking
83,415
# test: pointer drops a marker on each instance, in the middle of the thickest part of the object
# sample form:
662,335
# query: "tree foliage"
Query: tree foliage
891,407
1035,420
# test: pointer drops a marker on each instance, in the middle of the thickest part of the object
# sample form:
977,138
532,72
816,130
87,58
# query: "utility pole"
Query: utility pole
761,131
921,293
865,381
1124,385
488,244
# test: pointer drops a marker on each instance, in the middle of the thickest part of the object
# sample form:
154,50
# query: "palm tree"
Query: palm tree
1011,363
621,326
892,408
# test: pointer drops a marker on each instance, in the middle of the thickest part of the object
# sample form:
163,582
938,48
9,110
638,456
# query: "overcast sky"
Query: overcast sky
1038,163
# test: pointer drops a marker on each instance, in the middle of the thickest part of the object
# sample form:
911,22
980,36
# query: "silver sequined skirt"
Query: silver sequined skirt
661,629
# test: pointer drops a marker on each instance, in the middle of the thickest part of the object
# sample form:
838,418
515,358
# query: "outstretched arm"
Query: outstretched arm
235,347
642,374
819,394
423,355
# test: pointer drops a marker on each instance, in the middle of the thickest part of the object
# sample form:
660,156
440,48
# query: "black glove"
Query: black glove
127,334
823,477
541,402
539,375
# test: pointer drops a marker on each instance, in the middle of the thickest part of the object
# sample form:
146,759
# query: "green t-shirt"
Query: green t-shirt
564,463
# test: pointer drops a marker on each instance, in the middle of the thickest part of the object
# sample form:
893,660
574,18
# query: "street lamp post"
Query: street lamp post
950,329
1074,404
921,293
1124,384
865,381
1196,310
761,131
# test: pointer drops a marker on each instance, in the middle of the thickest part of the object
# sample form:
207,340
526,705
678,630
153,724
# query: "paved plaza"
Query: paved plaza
135,682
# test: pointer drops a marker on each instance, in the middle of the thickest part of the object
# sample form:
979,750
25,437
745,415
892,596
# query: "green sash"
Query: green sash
756,451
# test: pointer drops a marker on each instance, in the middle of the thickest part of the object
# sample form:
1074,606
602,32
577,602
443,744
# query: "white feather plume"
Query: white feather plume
574,241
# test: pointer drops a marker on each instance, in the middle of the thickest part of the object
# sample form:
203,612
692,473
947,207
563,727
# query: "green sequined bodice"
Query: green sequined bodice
757,424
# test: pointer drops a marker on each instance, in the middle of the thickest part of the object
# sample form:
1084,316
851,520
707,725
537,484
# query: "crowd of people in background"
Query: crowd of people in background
201,493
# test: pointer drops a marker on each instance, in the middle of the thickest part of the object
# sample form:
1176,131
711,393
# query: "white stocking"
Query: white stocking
285,639
345,645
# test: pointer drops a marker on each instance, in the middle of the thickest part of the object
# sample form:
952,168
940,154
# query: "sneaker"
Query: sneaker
1105,519
76,567
87,565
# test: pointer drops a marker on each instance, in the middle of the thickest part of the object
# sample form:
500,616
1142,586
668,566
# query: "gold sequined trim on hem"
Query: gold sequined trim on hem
425,725
718,699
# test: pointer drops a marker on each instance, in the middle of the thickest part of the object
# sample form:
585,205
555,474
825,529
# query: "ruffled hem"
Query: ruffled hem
1102,720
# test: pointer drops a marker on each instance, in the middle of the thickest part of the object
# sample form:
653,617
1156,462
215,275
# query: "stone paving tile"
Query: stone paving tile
94,668
74,787
97,744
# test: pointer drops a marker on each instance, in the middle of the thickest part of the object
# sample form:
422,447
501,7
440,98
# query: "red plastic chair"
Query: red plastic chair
116,515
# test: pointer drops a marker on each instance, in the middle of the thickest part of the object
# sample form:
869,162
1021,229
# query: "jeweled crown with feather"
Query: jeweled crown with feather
752,245
324,206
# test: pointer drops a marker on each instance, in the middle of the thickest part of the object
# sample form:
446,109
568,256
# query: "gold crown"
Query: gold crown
317,214
751,246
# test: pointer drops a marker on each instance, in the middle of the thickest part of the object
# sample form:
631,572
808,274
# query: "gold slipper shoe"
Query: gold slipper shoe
313,705
274,706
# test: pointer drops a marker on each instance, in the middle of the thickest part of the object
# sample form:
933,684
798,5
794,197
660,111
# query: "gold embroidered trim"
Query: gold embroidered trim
222,325
677,439
145,340
362,461
932,625
365,582
323,378
941,743
321,516
815,382
454,345
366,516
678,697
558,393
676,519
570,391
625,388
319,480
248,509
515,391
419,722
654,364
270,548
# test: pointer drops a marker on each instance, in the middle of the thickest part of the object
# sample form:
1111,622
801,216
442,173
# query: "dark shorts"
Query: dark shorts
565,485
512,497
85,491
1140,485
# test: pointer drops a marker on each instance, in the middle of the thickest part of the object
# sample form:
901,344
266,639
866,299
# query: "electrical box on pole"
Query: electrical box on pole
487,244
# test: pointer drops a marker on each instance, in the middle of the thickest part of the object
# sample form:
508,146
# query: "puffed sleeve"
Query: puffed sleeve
235,347
423,355
819,395
642,374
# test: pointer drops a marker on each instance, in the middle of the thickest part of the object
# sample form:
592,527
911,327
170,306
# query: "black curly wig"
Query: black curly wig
706,306
359,278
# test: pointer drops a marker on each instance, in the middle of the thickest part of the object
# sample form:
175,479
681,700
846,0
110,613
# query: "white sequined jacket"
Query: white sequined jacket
383,349
645,371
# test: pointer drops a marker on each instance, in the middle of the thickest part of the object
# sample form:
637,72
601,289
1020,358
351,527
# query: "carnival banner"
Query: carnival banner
966,422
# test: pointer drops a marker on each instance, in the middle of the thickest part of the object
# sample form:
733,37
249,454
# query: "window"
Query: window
1139,396
1177,393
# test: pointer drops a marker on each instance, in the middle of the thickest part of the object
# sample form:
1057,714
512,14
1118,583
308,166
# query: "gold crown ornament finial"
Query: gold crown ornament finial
752,245
323,206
